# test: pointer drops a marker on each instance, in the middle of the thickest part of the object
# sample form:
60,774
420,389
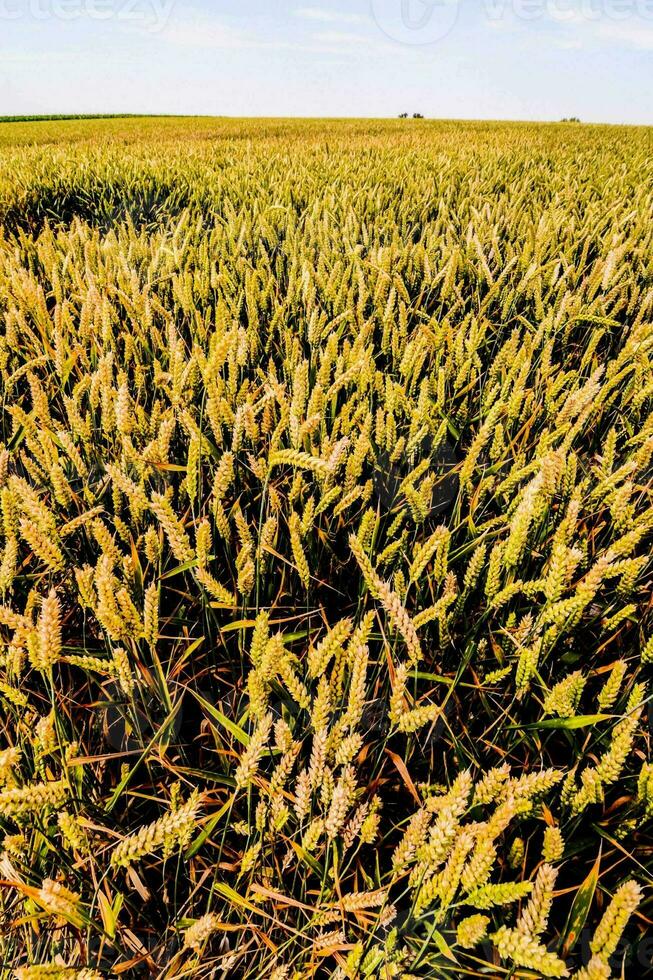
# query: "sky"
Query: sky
469,59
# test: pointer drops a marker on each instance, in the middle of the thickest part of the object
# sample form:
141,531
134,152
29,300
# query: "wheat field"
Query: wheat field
326,513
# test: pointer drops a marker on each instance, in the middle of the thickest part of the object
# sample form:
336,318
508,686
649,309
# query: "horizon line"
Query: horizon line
9,118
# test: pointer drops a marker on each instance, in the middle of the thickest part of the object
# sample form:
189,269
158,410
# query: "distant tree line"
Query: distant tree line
99,115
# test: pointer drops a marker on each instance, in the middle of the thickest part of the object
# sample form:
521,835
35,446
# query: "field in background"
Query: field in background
326,521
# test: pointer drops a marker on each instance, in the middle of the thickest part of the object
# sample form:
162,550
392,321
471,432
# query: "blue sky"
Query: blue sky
516,59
